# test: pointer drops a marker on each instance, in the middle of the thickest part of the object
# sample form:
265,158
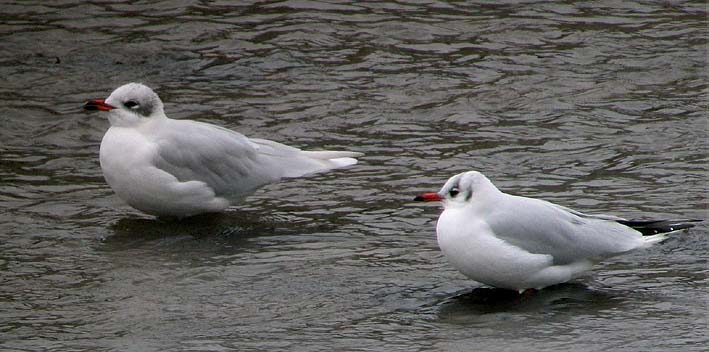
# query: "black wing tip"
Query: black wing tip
654,227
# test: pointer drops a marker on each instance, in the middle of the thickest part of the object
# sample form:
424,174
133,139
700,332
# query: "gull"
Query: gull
521,243
181,168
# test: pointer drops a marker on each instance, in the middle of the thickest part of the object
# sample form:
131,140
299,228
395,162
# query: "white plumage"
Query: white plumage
518,243
180,168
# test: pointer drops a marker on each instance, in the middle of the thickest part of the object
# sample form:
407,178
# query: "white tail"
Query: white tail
651,240
293,162
309,162
335,159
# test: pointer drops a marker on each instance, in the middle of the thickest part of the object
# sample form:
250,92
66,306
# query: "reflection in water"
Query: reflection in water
599,106
483,300
220,224
211,234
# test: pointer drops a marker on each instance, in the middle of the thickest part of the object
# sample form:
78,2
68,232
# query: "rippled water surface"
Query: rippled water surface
600,106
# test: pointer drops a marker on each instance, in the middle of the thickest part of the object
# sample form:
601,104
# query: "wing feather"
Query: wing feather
232,164
545,228
225,160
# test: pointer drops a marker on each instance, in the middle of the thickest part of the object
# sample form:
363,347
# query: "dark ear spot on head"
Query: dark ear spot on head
144,108
468,195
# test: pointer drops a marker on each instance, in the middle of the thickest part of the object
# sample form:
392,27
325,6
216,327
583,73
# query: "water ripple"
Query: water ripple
599,106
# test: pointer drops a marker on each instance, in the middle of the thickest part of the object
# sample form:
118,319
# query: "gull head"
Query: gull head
129,104
461,189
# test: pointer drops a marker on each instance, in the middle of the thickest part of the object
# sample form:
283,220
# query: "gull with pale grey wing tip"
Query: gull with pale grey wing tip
180,168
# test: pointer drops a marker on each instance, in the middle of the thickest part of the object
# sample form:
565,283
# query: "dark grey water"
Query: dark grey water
600,106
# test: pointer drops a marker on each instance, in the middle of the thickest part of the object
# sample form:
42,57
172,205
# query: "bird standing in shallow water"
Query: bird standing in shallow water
181,168
523,243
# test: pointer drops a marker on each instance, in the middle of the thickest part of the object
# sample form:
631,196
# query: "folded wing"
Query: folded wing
541,227
232,164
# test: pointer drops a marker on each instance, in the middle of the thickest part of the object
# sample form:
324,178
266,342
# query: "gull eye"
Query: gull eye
454,192
131,104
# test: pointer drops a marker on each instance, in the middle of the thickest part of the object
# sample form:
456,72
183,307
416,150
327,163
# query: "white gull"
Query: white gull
521,243
180,168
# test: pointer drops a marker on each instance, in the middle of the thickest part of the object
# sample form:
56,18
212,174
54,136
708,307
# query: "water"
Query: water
600,106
